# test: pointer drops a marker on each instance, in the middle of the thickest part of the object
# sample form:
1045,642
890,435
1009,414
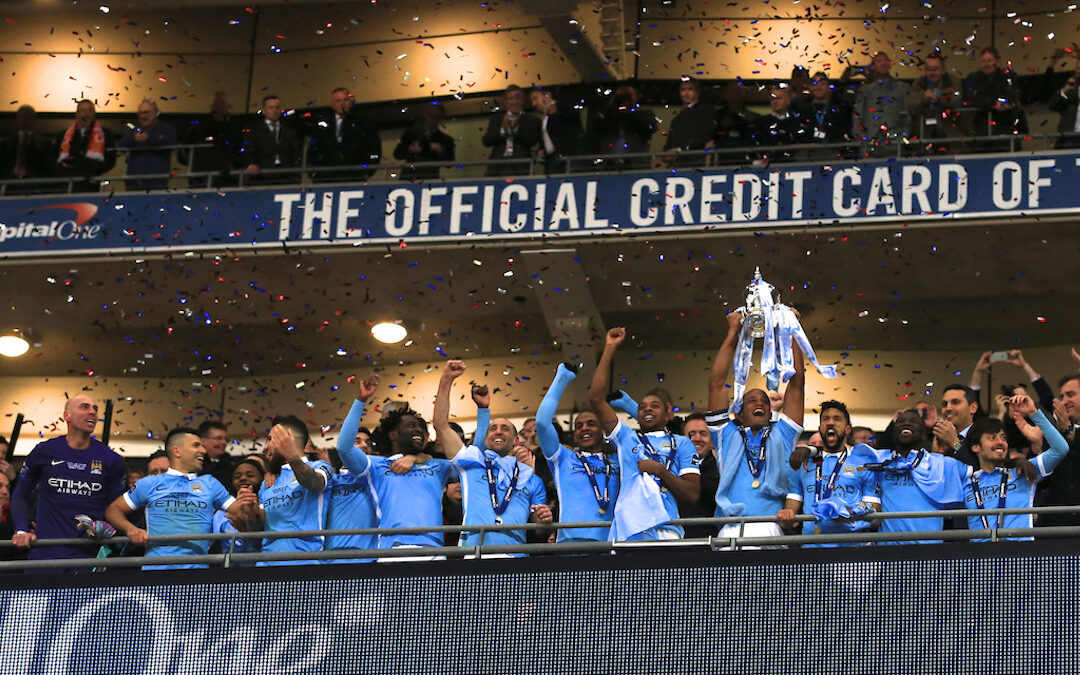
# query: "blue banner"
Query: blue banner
749,198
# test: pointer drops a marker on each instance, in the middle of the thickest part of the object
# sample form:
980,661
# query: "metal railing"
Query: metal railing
229,558
307,174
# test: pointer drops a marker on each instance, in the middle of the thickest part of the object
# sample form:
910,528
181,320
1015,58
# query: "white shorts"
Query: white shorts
751,530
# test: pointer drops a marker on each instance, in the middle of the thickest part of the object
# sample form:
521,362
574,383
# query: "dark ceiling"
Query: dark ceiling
967,287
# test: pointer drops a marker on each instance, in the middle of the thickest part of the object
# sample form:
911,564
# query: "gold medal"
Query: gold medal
756,483
498,520
817,530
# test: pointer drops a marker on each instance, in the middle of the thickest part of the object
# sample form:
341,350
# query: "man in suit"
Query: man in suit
1064,102
624,126
223,131
934,101
561,133
782,126
270,144
693,127
992,102
26,154
344,138
511,134
425,141
881,113
829,118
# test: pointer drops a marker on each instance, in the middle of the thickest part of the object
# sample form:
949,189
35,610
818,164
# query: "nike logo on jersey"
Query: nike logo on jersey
55,462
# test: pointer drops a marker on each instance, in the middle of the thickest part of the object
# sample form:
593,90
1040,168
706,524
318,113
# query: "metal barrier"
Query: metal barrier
479,550
576,164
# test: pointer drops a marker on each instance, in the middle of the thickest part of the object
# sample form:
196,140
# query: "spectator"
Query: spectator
881,114
177,502
656,467
1065,484
133,477
220,129
144,140
425,141
697,430
498,487
26,155
73,475
270,143
835,486
587,481
296,497
958,407
86,148
1064,102
782,126
992,102
561,133
344,138
158,463
215,438
511,134
829,118
754,451
799,86
363,441
934,101
693,126
6,467
623,126
735,125
1014,357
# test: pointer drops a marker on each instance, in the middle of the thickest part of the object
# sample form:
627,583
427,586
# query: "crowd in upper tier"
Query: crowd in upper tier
746,457
341,144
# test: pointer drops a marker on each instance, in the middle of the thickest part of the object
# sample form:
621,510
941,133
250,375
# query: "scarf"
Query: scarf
95,148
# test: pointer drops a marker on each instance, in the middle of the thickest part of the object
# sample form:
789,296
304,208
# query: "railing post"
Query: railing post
479,542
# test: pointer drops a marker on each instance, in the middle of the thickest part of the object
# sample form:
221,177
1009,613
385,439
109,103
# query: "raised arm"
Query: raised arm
440,418
285,443
481,396
601,381
719,397
356,461
545,414
1045,395
977,373
1059,447
795,394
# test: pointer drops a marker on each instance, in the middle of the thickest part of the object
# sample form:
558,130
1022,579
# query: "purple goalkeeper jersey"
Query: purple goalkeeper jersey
68,482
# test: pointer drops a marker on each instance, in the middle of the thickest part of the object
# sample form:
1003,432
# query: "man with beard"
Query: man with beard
958,407
73,475
911,478
408,490
754,451
496,487
293,495
998,482
834,486
586,480
656,467
178,501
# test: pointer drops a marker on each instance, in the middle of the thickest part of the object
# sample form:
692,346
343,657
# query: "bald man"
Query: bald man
73,474
144,140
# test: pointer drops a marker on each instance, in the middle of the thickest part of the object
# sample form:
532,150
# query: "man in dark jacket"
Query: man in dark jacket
561,133
992,102
623,126
511,134
26,154
269,143
344,138
693,126
425,141
1064,102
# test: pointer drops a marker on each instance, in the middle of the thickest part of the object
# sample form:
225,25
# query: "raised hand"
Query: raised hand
284,443
368,387
481,396
1022,404
734,321
454,369
615,337
983,364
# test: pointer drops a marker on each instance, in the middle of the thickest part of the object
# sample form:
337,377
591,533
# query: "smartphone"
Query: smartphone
998,357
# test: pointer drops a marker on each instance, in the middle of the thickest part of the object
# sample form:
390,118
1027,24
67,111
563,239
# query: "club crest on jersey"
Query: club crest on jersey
95,467
196,487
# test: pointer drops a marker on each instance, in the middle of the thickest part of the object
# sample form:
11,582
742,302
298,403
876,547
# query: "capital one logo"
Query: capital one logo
67,229
204,649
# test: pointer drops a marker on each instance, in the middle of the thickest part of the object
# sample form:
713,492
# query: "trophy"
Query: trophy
766,319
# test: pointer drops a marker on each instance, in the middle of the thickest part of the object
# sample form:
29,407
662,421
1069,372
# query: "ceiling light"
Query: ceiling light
13,346
389,333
